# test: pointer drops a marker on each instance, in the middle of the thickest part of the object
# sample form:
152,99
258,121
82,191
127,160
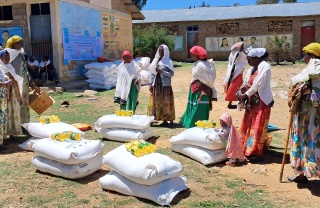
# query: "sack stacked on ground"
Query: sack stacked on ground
144,63
101,75
154,176
70,159
124,128
202,145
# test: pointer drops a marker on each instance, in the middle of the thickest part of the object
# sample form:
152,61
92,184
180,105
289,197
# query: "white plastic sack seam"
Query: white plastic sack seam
100,66
148,170
65,170
207,138
130,122
26,145
161,193
199,154
93,76
40,130
69,151
125,135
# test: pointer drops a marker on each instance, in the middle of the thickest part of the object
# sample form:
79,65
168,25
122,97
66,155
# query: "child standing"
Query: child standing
227,131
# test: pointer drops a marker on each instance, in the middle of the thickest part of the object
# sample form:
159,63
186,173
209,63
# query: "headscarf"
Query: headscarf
165,61
257,52
199,51
237,46
313,48
14,39
226,118
127,53
5,68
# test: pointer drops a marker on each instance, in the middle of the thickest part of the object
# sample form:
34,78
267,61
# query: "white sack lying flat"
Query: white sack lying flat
40,130
67,171
67,152
26,145
125,135
161,193
130,122
207,138
148,169
199,154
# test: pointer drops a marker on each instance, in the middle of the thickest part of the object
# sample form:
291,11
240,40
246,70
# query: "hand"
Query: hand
242,97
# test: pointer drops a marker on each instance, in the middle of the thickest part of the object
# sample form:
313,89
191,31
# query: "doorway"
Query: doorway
192,39
307,34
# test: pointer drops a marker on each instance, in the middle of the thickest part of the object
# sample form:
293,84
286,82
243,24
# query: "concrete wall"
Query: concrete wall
119,6
246,27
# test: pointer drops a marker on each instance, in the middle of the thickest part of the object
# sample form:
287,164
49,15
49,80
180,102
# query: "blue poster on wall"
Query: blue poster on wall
7,32
81,29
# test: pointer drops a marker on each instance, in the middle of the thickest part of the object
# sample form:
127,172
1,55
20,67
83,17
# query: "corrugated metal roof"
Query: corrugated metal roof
234,12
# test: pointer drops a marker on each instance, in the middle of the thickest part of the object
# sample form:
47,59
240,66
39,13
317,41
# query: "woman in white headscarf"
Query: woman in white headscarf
233,79
18,62
161,102
13,95
256,97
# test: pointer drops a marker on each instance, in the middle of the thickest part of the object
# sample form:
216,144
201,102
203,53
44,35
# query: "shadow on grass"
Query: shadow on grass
312,185
273,156
157,124
153,139
86,180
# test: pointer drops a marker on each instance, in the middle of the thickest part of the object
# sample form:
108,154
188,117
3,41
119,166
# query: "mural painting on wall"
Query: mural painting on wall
8,32
115,35
81,35
256,41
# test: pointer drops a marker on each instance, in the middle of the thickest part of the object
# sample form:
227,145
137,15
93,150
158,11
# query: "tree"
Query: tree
139,3
267,1
147,40
289,1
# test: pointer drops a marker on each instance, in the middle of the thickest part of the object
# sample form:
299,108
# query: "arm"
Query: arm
168,73
259,81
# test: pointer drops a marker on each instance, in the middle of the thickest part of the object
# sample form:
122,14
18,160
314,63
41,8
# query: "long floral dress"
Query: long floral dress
3,113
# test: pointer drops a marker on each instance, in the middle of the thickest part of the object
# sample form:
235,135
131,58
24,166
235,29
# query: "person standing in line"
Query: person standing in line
256,98
200,93
161,102
17,60
233,79
305,128
128,83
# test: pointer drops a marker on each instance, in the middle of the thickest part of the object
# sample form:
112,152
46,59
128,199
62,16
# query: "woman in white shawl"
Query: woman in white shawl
17,60
161,102
128,83
257,99
13,98
233,79
200,94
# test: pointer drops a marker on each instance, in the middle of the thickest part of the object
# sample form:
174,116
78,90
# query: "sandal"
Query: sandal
231,163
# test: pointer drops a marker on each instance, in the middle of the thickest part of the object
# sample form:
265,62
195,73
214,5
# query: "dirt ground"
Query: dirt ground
264,175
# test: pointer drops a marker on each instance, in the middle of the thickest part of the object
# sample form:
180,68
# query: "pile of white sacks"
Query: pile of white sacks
154,176
124,128
104,75
201,144
69,159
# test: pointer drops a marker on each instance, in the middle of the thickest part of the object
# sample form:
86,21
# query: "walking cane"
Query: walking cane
286,147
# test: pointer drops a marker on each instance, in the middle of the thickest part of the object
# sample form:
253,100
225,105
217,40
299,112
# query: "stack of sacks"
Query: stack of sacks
124,128
66,158
144,63
201,144
101,75
153,176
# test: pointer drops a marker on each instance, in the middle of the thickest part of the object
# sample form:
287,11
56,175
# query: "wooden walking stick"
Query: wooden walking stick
286,147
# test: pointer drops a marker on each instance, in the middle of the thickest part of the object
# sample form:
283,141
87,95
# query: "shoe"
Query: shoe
232,106
231,163
299,179
164,123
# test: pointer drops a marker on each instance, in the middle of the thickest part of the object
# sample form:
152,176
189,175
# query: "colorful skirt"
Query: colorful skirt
254,126
233,88
195,110
3,114
132,99
161,102
24,107
14,120
305,142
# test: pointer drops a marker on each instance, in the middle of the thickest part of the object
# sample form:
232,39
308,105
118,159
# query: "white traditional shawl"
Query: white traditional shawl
126,73
7,68
14,53
165,61
312,69
240,64
205,72
47,63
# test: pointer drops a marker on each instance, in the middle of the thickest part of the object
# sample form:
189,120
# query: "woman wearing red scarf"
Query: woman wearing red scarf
128,83
200,94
